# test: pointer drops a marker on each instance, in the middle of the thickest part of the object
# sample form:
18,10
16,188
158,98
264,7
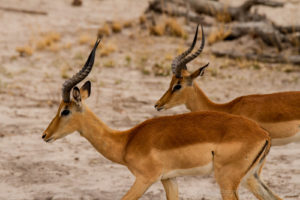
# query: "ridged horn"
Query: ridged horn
177,59
79,76
184,61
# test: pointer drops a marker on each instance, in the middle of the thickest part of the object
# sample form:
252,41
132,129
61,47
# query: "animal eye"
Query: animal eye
176,87
65,112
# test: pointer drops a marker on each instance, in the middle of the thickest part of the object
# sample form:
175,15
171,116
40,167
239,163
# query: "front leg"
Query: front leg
171,188
138,188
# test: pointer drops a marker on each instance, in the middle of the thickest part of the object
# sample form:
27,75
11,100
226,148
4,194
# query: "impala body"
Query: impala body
160,149
278,113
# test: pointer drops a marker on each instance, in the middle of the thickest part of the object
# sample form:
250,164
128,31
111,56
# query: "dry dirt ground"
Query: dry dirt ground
124,91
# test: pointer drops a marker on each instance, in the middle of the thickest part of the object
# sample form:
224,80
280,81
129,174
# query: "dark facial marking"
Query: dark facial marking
176,87
65,112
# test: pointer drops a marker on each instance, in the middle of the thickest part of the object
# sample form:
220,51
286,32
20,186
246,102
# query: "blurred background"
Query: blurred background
253,46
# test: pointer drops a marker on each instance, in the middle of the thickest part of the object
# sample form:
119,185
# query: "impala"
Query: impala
160,149
278,113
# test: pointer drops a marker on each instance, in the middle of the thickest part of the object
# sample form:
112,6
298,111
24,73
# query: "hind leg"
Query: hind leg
228,182
171,188
258,188
231,167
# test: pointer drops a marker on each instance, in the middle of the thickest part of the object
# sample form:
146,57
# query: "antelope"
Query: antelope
278,113
163,148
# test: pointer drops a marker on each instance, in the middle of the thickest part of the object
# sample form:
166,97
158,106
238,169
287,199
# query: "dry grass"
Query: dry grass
116,27
65,68
180,50
157,30
145,71
213,71
25,50
169,57
79,56
41,44
160,69
128,24
170,27
5,72
109,64
47,40
174,28
223,17
218,35
3,85
53,36
128,60
67,45
295,39
85,39
54,47
104,30
142,19
118,81
107,49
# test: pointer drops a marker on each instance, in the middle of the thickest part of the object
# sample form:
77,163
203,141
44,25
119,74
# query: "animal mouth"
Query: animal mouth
49,140
159,108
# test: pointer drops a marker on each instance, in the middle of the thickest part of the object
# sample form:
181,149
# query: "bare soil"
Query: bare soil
124,90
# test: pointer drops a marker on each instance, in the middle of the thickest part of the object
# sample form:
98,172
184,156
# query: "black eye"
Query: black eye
176,87
65,112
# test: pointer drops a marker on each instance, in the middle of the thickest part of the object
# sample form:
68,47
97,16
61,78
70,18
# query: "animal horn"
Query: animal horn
79,76
185,60
177,59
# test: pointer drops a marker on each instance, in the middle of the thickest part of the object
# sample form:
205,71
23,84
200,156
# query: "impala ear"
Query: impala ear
76,94
199,72
85,90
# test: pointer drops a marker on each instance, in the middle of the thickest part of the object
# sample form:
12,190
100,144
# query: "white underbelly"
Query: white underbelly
282,141
203,170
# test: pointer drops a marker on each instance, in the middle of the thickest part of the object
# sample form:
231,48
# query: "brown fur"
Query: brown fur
278,113
158,146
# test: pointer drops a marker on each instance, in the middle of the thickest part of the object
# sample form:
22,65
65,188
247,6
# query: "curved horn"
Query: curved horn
177,59
79,76
185,60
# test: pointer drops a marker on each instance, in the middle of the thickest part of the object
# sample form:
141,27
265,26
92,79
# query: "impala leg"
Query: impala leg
171,188
258,188
228,177
137,189
228,182
228,190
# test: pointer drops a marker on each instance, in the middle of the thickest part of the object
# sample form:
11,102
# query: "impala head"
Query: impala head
71,110
182,80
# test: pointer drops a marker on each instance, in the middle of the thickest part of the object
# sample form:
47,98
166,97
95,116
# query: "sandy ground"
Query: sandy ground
122,96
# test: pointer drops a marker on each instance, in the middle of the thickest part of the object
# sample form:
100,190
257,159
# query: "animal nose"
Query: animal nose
44,135
158,108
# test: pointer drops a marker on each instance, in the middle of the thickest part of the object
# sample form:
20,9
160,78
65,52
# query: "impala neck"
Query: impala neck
198,101
110,143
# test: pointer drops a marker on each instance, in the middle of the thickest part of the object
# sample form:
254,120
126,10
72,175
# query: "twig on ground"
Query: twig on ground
33,12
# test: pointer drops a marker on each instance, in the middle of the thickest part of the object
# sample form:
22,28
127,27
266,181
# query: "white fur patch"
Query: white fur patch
203,170
282,141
